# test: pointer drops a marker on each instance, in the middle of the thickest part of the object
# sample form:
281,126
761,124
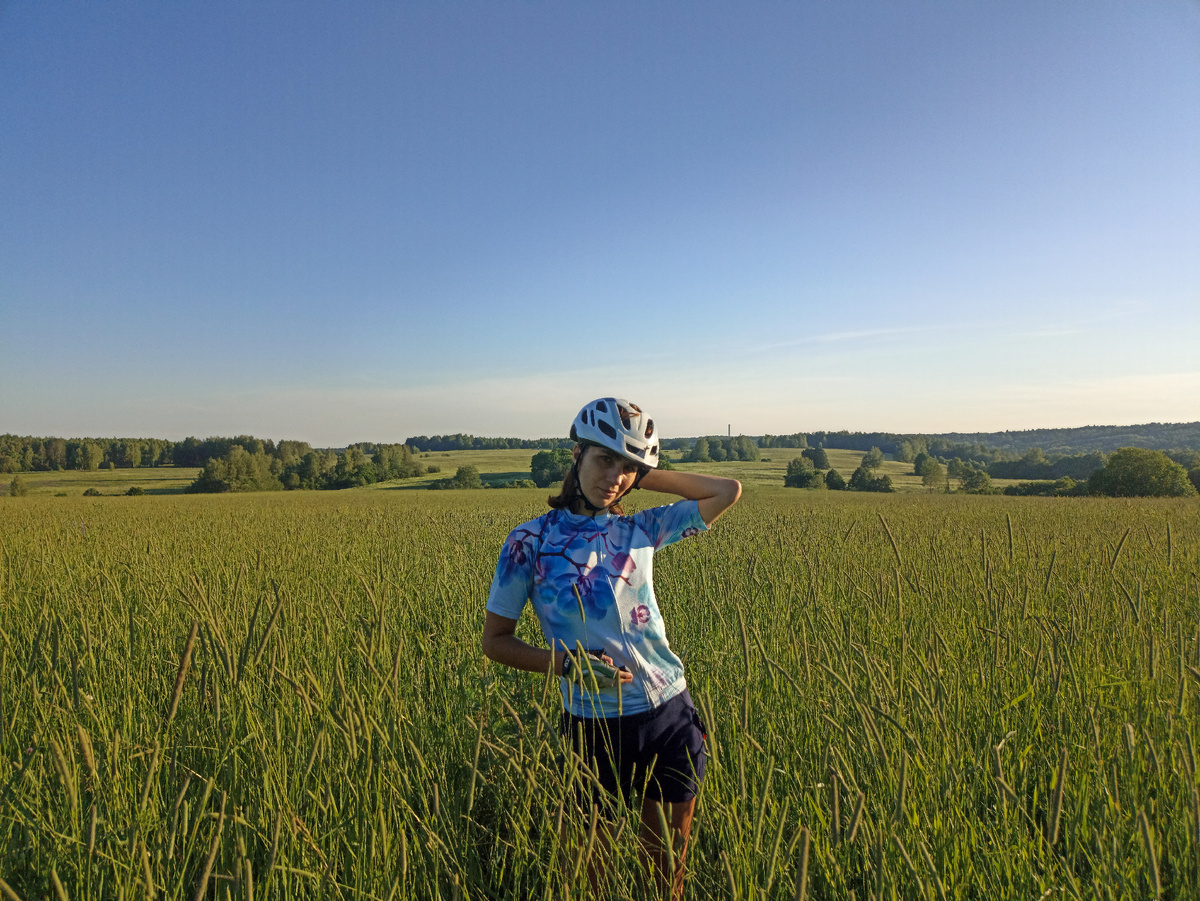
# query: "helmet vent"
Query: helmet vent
649,427
636,451
606,429
601,406
624,414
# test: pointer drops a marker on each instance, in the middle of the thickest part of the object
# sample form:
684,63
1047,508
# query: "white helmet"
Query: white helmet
620,426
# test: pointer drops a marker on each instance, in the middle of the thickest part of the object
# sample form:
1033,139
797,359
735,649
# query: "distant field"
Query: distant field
153,480
502,465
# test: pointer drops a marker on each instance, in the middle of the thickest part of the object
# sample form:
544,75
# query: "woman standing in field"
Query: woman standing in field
586,568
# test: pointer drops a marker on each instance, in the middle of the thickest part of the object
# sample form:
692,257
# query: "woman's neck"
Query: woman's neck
580,509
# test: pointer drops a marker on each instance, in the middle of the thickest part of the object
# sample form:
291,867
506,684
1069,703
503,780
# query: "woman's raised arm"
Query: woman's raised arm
714,493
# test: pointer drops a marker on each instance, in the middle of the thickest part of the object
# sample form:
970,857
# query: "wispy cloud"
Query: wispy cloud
850,336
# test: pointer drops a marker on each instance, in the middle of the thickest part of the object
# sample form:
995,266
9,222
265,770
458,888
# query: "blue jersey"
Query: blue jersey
591,584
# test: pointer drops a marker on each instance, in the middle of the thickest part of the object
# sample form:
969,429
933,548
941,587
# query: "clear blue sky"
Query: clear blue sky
346,222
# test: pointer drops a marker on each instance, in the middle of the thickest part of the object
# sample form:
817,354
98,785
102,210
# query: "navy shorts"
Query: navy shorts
659,753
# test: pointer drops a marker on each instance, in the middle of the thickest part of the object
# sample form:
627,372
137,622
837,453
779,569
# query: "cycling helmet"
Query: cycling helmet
620,426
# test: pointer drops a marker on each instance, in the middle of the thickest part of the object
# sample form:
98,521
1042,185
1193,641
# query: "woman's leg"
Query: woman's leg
665,831
591,844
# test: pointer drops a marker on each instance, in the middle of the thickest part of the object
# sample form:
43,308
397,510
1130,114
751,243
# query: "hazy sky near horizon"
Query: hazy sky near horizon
350,222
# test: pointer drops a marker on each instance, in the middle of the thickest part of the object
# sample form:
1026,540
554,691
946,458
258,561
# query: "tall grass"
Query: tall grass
906,697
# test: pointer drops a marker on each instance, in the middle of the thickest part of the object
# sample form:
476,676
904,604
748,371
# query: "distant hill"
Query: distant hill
1106,438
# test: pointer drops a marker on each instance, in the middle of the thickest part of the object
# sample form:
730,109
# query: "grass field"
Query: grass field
908,696
72,483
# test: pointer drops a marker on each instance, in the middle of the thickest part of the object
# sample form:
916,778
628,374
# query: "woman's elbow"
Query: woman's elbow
487,644
733,492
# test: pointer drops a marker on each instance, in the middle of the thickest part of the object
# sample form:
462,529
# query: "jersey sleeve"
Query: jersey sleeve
666,525
513,582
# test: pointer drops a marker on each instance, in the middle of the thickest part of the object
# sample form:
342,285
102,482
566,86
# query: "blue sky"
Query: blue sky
348,222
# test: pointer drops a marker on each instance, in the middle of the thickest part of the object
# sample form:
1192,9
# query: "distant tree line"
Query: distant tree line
426,443
986,447
718,450
28,454
1162,436
797,440
1129,472
293,465
1035,464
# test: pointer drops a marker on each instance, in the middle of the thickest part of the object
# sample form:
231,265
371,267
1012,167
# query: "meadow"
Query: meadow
907,696
493,465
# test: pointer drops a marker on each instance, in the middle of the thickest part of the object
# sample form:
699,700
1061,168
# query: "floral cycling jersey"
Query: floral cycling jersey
590,583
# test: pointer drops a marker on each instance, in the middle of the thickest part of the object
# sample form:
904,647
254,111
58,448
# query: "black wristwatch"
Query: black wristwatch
568,663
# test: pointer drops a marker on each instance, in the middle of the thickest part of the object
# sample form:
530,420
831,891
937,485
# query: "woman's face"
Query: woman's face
604,475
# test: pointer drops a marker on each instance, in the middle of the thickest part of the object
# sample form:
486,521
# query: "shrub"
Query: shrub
834,481
432,467
512,483
976,481
135,491
467,477
1137,472
862,480
92,492
1064,487
17,488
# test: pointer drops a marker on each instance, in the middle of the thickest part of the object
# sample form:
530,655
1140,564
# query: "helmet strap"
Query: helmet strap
577,491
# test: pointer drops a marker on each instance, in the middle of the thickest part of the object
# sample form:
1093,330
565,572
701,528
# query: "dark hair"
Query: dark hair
566,498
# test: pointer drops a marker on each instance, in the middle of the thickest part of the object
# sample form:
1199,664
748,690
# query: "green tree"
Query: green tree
467,477
802,474
820,459
920,461
548,467
17,488
934,475
834,481
976,481
238,470
128,452
862,480
873,459
955,469
746,448
55,452
91,455
1137,472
